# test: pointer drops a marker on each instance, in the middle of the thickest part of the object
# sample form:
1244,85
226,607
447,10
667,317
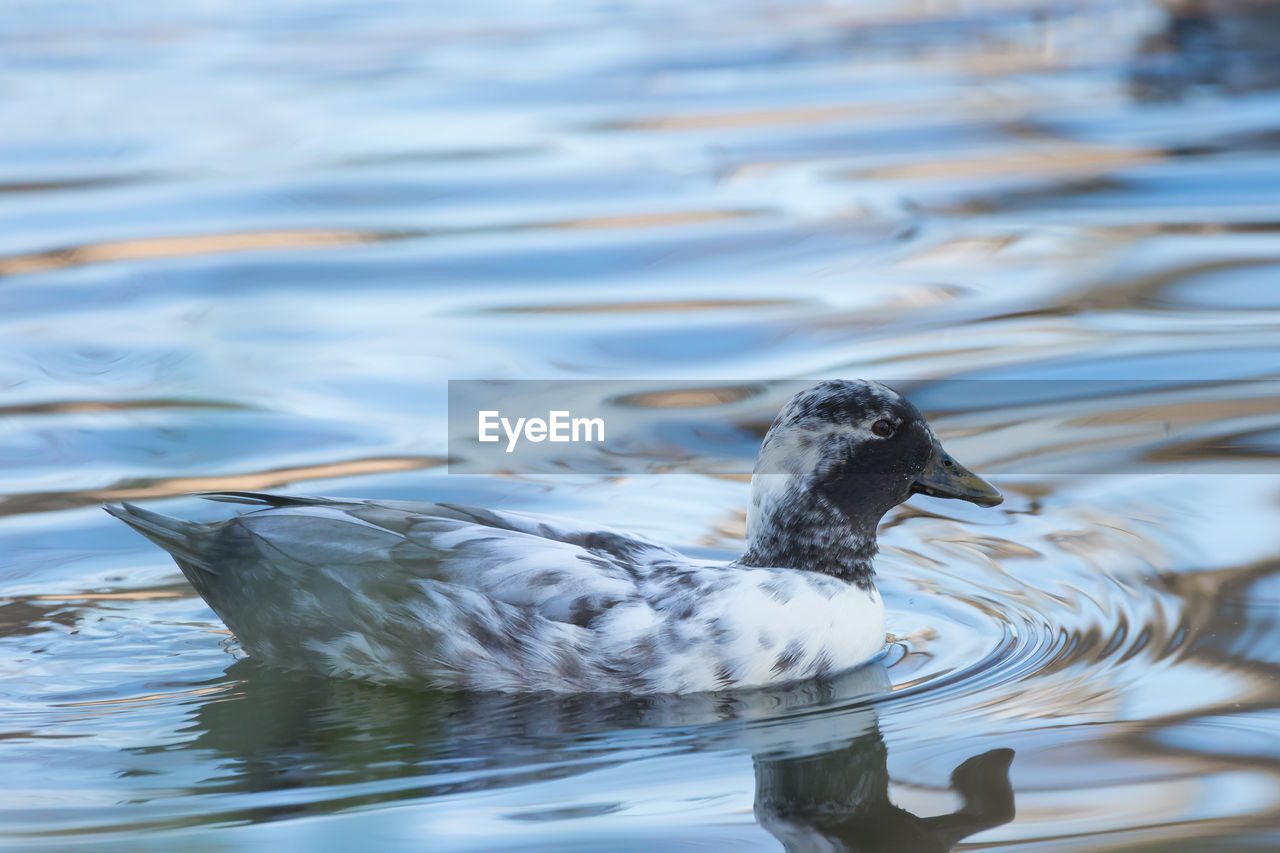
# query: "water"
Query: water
245,245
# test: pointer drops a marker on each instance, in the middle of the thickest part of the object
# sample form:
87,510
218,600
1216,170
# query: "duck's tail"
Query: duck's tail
178,537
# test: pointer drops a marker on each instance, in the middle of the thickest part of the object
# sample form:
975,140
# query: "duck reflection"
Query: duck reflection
839,801
821,774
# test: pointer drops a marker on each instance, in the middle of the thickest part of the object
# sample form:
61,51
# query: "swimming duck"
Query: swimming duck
461,597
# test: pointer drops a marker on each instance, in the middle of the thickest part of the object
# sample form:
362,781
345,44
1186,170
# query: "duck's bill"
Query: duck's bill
944,477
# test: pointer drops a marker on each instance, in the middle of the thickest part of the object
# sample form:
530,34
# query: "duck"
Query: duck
476,599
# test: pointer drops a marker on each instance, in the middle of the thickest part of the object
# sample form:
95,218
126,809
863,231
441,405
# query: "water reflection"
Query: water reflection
1229,44
821,780
18,504
261,275
839,801
336,732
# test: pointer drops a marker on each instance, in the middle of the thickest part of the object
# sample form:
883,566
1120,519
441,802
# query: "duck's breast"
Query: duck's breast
729,627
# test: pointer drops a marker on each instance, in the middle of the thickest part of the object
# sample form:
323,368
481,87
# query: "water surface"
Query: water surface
244,246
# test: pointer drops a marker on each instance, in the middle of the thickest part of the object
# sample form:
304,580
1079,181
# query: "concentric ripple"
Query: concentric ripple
1034,614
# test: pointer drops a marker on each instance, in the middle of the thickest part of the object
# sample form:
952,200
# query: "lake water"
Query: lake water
245,245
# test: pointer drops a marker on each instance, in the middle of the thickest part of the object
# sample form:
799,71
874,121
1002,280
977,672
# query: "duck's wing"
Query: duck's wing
604,541
563,570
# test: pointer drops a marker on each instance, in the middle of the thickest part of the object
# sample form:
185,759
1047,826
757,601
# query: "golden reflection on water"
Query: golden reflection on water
689,398
79,407
132,595
656,219
293,240
656,305
785,117
194,245
1037,159
1189,411
173,486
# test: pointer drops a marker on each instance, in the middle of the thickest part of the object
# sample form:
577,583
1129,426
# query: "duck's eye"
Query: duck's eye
882,428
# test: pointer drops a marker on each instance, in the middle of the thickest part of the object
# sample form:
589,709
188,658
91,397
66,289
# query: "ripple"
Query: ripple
1238,285
161,487
998,641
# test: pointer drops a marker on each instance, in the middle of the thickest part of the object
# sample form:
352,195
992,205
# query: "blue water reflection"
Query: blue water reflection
247,245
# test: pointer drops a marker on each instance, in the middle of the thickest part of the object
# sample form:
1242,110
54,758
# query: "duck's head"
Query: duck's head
837,458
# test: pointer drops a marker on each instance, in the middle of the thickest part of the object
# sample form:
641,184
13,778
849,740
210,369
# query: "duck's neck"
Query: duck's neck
790,525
